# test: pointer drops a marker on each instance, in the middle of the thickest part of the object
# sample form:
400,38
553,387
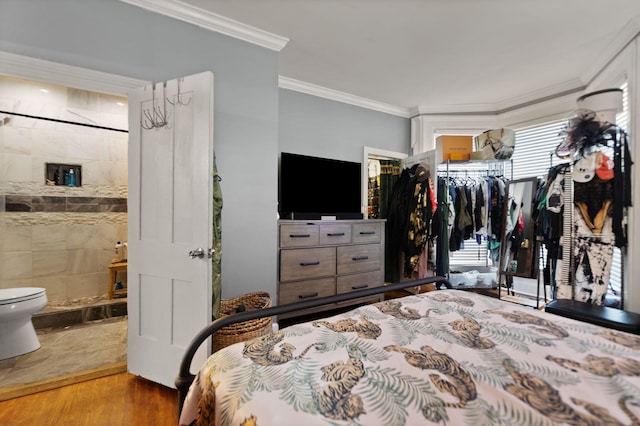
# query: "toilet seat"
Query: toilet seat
20,294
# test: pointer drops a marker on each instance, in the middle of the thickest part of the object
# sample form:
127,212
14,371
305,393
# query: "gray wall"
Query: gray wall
316,126
115,37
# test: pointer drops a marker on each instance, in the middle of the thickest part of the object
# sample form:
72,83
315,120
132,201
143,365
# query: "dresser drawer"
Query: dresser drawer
335,233
299,235
305,290
302,264
367,232
353,282
358,258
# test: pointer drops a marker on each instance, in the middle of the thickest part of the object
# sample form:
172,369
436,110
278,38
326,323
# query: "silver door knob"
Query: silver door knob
199,253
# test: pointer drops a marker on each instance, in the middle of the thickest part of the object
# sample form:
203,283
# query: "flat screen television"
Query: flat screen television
312,188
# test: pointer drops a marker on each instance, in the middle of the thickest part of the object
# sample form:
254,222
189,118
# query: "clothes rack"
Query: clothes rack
472,173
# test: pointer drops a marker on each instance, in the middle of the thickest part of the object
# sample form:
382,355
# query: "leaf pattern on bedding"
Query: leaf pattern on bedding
547,371
455,298
335,397
270,350
509,414
625,339
485,363
605,366
535,322
362,326
405,332
449,376
468,330
297,330
296,390
389,393
517,339
605,372
547,400
617,385
222,361
397,310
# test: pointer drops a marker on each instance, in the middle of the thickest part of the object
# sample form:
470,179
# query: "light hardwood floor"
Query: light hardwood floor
120,399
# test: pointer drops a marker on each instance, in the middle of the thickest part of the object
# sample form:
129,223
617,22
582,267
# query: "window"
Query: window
535,149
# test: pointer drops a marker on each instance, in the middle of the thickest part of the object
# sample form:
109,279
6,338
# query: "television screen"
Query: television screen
311,187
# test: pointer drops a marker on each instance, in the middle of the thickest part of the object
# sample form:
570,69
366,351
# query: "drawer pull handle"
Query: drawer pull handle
367,233
358,287
309,263
335,234
360,258
299,235
308,295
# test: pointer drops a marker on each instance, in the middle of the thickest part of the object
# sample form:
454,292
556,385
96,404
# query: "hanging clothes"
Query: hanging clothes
216,259
477,209
601,194
470,208
411,211
389,175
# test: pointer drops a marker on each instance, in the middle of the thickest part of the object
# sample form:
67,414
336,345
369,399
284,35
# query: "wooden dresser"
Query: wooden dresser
321,258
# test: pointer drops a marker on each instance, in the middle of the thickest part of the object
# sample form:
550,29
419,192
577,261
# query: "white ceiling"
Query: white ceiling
442,55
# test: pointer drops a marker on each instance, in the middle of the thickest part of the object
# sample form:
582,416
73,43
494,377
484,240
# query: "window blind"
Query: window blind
622,120
535,150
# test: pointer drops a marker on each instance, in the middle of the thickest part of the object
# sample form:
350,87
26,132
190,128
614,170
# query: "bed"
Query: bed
443,357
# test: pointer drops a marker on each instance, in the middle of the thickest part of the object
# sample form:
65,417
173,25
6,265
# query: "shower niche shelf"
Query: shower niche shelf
57,174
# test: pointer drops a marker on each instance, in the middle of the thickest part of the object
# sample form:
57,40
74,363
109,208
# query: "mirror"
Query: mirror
518,238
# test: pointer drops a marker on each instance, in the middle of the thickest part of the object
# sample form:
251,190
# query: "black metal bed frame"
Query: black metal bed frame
185,378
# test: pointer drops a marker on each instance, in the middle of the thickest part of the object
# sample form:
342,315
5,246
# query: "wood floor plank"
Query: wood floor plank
120,399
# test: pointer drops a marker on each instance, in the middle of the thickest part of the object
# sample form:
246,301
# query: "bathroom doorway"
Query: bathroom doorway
58,233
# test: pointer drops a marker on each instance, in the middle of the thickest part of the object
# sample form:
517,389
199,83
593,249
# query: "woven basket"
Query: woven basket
246,330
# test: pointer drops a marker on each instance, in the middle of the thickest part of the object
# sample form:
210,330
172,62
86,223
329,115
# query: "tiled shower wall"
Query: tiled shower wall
57,237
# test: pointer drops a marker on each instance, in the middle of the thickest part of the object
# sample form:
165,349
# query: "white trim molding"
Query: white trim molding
211,21
623,38
335,95
28,68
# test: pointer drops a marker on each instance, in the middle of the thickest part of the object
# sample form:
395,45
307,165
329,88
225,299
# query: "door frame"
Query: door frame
374,153
29,68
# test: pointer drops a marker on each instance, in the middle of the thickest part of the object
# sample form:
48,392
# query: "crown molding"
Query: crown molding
335,95
514,103
29,68
537,96
211,21
454,110
622,39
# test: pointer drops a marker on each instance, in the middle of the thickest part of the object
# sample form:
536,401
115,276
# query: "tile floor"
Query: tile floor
67,349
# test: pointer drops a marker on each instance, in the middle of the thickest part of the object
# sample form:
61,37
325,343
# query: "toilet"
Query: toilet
17,335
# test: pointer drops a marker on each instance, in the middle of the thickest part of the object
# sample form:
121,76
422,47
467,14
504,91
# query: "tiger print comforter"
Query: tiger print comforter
444,357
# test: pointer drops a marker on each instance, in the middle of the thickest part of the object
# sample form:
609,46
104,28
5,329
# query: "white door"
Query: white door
170,215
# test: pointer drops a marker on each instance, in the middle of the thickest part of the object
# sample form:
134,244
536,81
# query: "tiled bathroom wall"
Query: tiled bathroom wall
59,237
